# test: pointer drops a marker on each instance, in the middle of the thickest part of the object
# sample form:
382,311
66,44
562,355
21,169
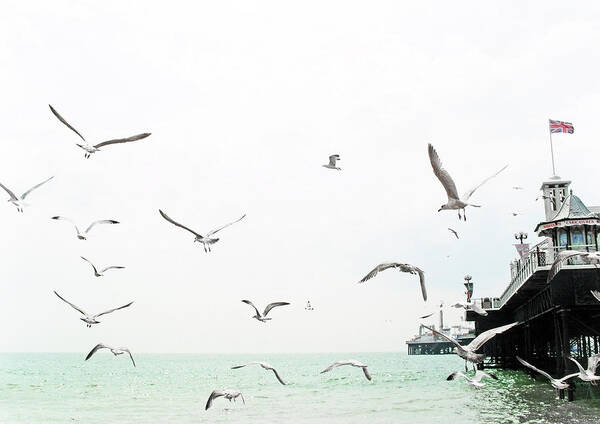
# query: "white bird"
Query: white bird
518,188
332,160
556,383
264,365
350,362
205,240
588,257
80,235
226,393
453,232
596,294
468,352
475,381
115,351
103,270
90,319
263,317
19,202
90,149
308,306
589,374
454,200
429,312
403,268
474,307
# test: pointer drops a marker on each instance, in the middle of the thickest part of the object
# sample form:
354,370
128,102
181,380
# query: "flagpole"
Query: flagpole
552,152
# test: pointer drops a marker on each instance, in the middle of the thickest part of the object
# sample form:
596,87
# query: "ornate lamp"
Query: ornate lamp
521,236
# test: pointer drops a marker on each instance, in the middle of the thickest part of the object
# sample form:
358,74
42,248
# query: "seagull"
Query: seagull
453,232
263,317
89,149
80,235
205,240
475,381
474,307
351,362
265,366
430,312
518,188
19,202
588,257
103,270
90,319
226,393
332,160
589,374
515,213
308,306
115,350
454,200
468,352
556,383
596,294
403,268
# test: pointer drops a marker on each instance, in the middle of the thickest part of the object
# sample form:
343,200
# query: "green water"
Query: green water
62,388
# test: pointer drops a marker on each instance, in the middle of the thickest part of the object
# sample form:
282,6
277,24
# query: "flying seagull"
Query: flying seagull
205,240
596,294
589,374
556,383
588,257
89,149
115,350
265,366
453,232
19,202
332,160
88,318
468,352
403,268
454,200
103,270
263,317
351,362
474,307
80,235
475,381
226,393
518,188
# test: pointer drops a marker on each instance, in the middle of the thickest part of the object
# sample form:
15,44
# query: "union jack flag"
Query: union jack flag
561,127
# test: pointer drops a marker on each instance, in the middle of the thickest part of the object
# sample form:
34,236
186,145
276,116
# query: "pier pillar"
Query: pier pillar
566,345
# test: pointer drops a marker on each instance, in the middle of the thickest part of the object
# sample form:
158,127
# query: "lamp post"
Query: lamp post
469,287
521,236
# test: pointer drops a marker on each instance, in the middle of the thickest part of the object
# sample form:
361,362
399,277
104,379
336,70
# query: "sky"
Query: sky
245,101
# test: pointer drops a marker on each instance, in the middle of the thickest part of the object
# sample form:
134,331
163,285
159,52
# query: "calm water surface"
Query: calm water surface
62,388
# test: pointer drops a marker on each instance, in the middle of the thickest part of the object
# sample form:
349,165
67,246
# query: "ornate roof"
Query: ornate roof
572,212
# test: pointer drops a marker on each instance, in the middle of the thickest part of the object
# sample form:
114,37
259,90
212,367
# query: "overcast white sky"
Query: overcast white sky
245,101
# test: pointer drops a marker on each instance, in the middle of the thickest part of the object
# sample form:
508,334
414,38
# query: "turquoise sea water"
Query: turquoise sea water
62,388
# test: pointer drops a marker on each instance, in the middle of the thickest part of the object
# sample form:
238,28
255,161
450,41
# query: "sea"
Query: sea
173,388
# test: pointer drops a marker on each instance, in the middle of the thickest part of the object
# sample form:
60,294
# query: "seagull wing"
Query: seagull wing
478,309
480,374
95,349
210,233
165,216
450,339
77,308
111,267
480,340
560,258
215,394
61,119
333,159
101,221
366,372
277,376
469,193
273,305
335,365
67,219
566,377
596,294
422,282
453,232
95,270
112,310
251,304
593,363
10,193
122,140
442,174
579,367
539,371
456,375
379,268
130,355
24,195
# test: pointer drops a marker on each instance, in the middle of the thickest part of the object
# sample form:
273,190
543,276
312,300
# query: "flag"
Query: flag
561,127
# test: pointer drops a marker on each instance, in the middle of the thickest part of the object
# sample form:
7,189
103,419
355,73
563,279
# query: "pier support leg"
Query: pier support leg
561,393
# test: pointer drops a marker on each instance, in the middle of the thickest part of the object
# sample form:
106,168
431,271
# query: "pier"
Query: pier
559,318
